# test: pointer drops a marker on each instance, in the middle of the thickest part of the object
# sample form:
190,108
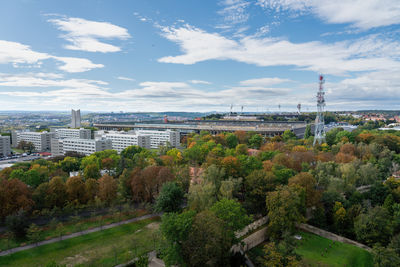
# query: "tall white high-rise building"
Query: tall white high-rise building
75,118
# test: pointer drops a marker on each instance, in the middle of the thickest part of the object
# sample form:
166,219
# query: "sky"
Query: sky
198,55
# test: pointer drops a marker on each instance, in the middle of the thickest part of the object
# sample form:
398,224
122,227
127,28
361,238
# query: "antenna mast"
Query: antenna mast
319,135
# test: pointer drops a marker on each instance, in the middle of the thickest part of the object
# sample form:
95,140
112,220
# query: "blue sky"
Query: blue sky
203,55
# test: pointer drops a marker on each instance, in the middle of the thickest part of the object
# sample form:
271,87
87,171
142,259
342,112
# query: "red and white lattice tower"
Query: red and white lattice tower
319,135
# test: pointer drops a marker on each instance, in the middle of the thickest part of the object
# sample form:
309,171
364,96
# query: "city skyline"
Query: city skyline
198,55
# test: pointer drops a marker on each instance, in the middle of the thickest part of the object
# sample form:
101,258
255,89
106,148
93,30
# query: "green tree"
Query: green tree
374,226
91,171
307,132
170,198
385,257
175,229
34,233
284,209
202,196
287,135
231,140
69,164
255,141
208,243
232,213
256,185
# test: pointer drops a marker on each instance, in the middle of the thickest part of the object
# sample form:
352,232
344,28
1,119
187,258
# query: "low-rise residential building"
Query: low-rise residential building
5,146
73,133
84,146
120,141
41,140
161,138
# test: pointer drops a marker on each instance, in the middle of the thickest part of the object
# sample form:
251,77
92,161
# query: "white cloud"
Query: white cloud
362,14
199,82
263,81
16,54
234,11
125,78
73,64
84,34
365,54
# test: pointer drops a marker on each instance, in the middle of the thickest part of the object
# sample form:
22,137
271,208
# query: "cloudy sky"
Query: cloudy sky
198,55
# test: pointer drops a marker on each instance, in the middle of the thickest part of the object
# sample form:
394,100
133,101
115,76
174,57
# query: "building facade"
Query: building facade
73,133
84,146
41,140
75,118
161,138
121,141
5,146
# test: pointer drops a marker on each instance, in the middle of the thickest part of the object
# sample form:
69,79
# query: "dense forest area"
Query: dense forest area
218,184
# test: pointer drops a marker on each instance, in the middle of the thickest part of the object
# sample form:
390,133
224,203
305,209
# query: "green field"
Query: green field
105,248
312,250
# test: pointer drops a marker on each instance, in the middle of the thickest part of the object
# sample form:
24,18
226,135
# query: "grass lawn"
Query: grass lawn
50,231
105,248
312,250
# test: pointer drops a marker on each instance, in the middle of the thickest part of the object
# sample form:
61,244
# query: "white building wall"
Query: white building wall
160,138
41,140
121,141
85,146
5,146
73,133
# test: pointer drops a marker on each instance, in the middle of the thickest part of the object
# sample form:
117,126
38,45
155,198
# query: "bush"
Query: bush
17,224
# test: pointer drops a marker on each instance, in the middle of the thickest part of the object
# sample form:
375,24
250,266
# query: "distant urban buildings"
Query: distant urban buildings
41,140
83,146
72,133
75,118
120,141
5,146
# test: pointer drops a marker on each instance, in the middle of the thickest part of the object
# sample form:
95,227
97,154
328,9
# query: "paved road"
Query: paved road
57,239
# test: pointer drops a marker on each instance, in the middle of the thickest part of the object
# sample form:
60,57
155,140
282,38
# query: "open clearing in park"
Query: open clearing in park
104,248
312,249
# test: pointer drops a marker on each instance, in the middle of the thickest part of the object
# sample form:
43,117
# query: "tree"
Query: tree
208,243
34,233
76,189
57,192
14,196
284,210
255,141
287,135
231,140
202,196
91,171
374,226
231,165
385,257
40,196
108,164
232,213
307,132
307,181
107,189
273,256
241,149
91,189
17,223
175,229
170,198
256,185
69,164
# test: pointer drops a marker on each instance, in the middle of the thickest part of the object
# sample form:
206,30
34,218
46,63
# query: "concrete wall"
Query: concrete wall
252,227
251,241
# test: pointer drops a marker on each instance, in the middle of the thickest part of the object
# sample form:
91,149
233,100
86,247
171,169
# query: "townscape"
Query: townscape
227,133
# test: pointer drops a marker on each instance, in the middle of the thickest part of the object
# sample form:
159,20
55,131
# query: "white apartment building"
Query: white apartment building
73,133
120,141
5,146
41,140
84,146
160,138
